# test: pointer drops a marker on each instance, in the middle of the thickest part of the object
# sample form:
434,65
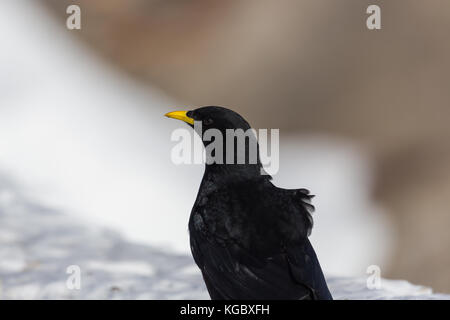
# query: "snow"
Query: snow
39,244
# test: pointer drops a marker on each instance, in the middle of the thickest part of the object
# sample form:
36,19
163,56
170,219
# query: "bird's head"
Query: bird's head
219,119
211,118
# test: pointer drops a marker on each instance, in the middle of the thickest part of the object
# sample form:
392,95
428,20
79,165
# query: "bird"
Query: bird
248,237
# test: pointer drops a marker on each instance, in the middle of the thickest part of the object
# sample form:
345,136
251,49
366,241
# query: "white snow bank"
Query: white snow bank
38,244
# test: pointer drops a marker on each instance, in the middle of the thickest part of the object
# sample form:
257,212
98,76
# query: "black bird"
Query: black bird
248,237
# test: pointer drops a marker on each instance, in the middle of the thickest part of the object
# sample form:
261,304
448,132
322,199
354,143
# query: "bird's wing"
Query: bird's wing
304,208
305,268
231,272
255,246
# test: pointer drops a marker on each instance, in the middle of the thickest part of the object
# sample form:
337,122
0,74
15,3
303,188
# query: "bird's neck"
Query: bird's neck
235,173
231,161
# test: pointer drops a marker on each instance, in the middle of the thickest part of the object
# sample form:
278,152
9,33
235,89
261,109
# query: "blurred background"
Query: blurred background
362,116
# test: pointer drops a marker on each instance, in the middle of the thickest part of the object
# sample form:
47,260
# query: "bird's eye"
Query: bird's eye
208,121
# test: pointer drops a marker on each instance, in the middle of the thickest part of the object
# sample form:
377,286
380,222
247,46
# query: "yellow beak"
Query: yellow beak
180,115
